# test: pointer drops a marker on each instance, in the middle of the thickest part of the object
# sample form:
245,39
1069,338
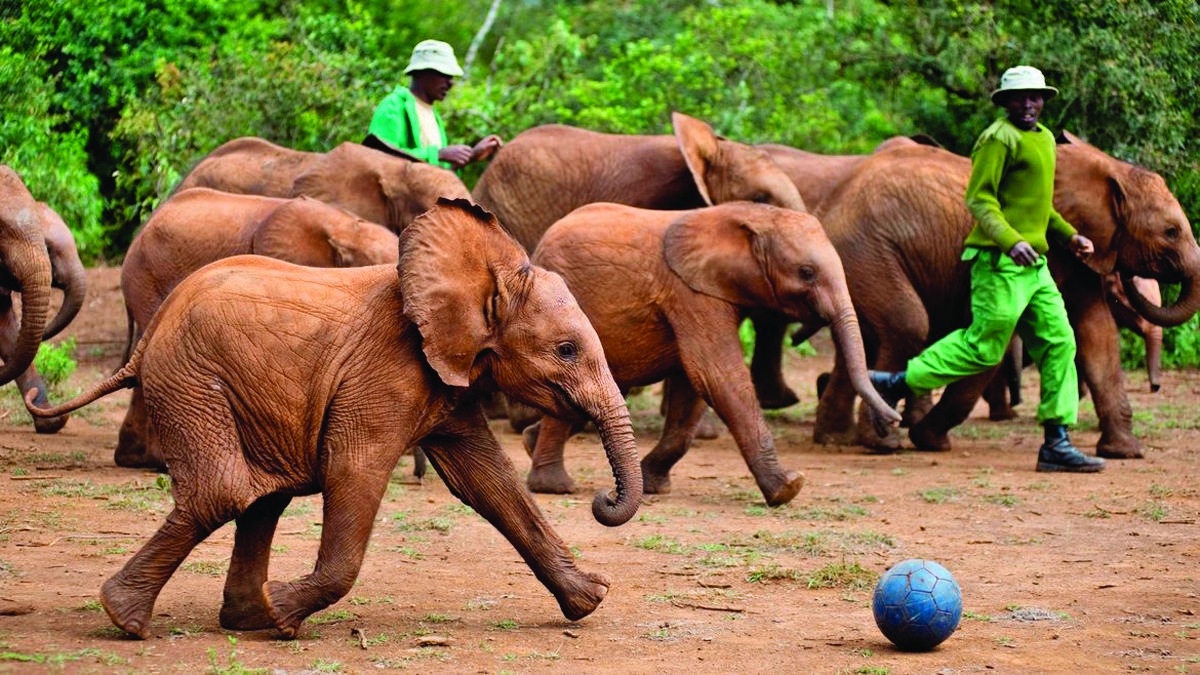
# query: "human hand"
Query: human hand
1081,246
1023,254
456,155
486,147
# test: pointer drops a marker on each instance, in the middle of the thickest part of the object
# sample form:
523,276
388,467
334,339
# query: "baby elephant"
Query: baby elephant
266,380
198,226
666,291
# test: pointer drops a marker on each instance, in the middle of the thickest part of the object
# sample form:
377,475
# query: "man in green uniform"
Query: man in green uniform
1011,194
405,122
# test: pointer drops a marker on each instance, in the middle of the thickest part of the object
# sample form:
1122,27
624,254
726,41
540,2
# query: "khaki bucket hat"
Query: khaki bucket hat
1024,78
434,55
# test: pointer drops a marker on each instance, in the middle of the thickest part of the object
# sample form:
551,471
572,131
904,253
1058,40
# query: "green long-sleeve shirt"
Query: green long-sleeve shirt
395,122
1011,190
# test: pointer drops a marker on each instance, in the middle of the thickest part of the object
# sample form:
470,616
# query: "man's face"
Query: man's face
434,84
1023,107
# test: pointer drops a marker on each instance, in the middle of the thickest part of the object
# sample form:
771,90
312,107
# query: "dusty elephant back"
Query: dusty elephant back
544,173
191,229
250,165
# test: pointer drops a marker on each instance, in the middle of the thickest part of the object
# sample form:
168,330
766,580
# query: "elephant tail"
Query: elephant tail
124,378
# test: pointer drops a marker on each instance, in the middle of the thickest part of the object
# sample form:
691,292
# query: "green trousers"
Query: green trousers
1006,297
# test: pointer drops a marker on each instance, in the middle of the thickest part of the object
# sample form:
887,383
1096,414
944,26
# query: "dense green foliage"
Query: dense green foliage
104,106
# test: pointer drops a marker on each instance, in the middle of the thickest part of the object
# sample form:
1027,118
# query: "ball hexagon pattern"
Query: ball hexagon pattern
917,604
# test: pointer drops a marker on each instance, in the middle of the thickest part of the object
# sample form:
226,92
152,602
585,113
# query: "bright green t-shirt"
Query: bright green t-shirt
1011,190
395,122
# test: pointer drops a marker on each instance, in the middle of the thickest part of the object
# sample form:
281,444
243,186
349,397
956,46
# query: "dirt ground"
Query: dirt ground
1059,573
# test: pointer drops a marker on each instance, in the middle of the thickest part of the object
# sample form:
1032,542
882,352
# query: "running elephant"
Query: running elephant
266,380
198,226
666,291
371,184
546,172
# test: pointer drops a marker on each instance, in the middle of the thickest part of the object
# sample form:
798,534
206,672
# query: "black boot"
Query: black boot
1057,454
891,386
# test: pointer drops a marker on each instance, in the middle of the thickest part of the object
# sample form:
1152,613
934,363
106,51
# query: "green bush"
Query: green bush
55,363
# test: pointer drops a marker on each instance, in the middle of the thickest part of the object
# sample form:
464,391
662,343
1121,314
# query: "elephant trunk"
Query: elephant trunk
71,278
1154,342
616,432
1186,305
848,337
30,266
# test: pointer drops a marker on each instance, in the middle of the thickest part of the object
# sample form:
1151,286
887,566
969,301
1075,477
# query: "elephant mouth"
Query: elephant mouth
568,403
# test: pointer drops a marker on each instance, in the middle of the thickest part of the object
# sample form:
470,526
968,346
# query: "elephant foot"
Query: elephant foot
1130,449
285,615
126,608
710,426
550,480
582,595
51,425
924,438
999,414
823,437
134,459
654,481
781,488
245,614
775,395
915,410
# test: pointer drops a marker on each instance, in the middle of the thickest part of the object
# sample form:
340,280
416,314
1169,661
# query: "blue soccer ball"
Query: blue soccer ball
917,604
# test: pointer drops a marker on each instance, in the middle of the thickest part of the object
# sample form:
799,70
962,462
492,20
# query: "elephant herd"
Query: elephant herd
581,265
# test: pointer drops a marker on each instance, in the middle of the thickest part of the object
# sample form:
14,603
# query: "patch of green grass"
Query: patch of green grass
976,616
233,665
408,551
90,606
660,544
773,572
186,631
505,624
298,509
1002,499
331,616
210,567
825,514
535,655
438,618
1153,510
852,576
401,522
873,670
899,471
323,666
939,495
1157,490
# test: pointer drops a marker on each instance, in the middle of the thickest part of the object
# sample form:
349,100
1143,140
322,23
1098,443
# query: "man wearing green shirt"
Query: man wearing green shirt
405,122
1011,194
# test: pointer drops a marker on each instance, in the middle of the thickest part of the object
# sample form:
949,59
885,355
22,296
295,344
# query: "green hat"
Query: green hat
1024,78
434,55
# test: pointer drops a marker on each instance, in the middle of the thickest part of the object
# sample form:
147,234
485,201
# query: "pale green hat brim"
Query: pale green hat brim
1047,92
448,68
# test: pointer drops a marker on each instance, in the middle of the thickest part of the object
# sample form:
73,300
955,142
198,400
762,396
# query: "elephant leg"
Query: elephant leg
10,329
477,471
710,424
545,442
30,379
996,395
684,409
766,366
712,358
137,445
835,408
1099,358
351,497
128,596
952,409
243,607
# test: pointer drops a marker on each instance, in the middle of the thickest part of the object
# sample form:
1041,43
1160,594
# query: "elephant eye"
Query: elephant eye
807,273
568,351
1173,232
762,198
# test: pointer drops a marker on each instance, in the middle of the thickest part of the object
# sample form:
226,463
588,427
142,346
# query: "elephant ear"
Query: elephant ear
699,146
455,260
721,256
